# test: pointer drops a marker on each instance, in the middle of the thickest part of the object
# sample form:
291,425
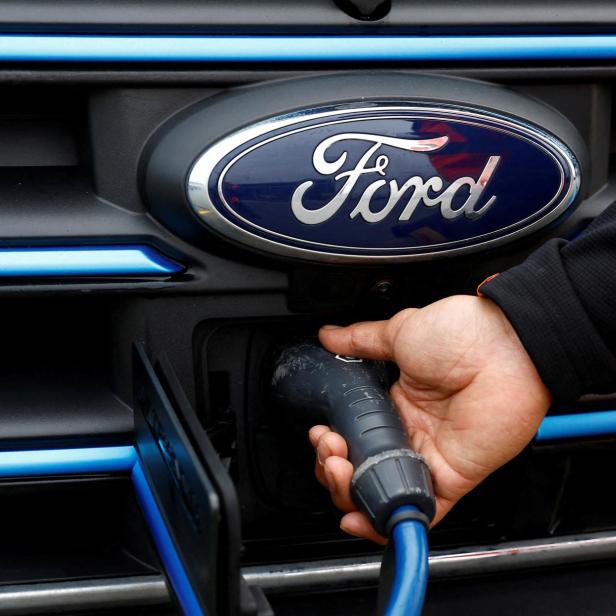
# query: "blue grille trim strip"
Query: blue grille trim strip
87,261
599,423
66,461
97,48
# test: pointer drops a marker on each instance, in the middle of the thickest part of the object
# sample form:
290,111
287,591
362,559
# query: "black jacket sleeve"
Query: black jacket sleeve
562,303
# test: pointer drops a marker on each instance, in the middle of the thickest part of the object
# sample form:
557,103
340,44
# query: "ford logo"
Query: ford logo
383,181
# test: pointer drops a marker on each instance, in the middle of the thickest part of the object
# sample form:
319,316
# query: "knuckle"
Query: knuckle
357,339
333,440
399,318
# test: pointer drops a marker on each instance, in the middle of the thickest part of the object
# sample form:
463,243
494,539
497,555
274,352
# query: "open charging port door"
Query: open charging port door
188,498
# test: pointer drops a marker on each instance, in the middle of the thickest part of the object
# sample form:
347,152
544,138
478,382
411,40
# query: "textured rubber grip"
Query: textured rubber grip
351,395
360,409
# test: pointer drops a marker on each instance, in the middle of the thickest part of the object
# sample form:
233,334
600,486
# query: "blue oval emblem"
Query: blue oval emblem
385,181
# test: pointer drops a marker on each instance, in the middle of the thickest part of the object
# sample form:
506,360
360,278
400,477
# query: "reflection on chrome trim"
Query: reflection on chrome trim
86,595
499,558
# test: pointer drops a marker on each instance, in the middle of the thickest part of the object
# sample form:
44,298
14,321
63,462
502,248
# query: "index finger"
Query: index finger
369,339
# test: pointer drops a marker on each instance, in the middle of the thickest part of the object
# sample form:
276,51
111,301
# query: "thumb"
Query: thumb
370,340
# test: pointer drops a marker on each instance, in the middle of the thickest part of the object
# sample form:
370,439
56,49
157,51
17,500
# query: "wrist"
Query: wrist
510,348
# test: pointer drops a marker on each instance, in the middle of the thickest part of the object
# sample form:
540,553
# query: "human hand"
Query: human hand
468,395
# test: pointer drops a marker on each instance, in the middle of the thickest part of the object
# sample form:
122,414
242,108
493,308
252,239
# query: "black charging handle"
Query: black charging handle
351,395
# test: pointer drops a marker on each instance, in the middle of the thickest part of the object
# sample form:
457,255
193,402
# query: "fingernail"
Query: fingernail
348,531
330,327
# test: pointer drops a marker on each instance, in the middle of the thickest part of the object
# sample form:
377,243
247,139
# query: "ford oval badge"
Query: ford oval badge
382,181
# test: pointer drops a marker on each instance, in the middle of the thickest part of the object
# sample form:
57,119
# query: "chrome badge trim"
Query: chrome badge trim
199,177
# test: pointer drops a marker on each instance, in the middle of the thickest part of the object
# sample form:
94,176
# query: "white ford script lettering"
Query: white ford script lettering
425,192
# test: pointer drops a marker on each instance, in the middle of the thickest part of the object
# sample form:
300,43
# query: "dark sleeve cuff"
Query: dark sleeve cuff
543,307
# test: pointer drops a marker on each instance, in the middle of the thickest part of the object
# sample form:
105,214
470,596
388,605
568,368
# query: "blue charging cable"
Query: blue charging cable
411,567
409,536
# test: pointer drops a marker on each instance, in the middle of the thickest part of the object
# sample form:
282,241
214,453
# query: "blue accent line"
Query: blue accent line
577,425
85,261
164,543
66,461
96,48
